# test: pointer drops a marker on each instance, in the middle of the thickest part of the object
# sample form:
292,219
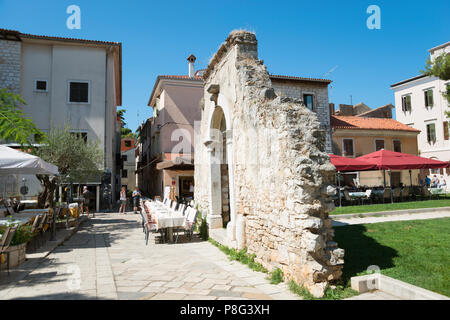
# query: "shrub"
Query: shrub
203,229
23,234
276,276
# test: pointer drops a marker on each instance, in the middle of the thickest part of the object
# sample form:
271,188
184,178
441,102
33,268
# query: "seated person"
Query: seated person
427,181
443,184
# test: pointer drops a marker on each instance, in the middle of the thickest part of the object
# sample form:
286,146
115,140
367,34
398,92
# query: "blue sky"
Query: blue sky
299,38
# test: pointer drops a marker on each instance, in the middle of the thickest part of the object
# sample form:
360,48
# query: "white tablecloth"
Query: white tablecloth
19,218
168,221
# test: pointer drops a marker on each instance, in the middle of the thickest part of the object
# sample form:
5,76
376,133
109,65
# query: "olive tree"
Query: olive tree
440,67
77,161
14,125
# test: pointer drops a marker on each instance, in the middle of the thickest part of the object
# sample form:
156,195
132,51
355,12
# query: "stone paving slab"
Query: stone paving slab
108,259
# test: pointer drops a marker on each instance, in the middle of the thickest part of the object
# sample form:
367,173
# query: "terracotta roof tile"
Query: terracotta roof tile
361,123
180,77
281,77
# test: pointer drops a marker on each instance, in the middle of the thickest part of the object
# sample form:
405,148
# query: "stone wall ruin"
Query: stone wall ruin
279,173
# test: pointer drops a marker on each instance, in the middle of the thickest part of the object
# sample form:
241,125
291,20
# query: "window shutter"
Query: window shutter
408,103
403,103
428,133
433,132
430,97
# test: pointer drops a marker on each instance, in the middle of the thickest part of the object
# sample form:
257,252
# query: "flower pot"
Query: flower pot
16,255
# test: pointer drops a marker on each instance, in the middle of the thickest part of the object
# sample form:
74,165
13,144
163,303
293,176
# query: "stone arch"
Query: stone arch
221,182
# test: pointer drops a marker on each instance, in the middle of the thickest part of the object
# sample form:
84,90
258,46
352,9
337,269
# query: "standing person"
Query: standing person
123,200
434,182
136,199
427,181
85,203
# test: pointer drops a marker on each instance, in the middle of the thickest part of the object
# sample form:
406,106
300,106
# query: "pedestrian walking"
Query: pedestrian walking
136,199
123,200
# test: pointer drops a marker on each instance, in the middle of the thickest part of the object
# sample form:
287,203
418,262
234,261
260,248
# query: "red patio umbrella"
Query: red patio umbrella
350,164
386,159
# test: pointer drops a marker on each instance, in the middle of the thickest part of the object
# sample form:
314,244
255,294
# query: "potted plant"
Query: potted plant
18,245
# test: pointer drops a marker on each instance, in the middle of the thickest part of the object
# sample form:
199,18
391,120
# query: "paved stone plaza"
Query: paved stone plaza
108,259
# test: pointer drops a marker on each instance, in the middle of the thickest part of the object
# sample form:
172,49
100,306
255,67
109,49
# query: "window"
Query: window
431,133
124,173
79,91
40,85
406,103
397,146
127,143
445,124
308,101
428,94
379,144
347,147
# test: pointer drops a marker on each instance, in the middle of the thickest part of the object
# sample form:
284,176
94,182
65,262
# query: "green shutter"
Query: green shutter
430,97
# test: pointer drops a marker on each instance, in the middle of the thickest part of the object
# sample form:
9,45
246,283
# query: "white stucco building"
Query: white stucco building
420,104
65,80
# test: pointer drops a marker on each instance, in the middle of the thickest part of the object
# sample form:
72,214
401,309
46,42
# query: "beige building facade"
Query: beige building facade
68,81
175,101
355,136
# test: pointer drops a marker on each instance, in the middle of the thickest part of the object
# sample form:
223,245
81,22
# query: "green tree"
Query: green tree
73,156
14,125
121,116
125,132
440,67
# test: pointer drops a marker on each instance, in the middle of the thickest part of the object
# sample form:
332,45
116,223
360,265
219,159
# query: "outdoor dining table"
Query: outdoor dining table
29,204
35,211
18,218
169,220
358,194
437,190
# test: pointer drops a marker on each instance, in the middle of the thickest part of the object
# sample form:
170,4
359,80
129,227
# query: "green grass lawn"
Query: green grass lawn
417,251
444,202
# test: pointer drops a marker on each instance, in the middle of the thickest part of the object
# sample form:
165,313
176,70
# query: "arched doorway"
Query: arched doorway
220,180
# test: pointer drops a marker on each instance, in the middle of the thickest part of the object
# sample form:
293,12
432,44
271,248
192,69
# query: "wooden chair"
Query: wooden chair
35,232
396,193
426,193
5,243
368,197
188,229
387,195
405,194
348,198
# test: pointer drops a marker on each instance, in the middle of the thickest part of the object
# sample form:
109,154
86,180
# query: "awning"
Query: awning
17,162
178,161
386,159
350,164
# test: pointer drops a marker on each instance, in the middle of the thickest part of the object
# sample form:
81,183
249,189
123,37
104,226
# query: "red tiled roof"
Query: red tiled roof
274,76
361,123
180,77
